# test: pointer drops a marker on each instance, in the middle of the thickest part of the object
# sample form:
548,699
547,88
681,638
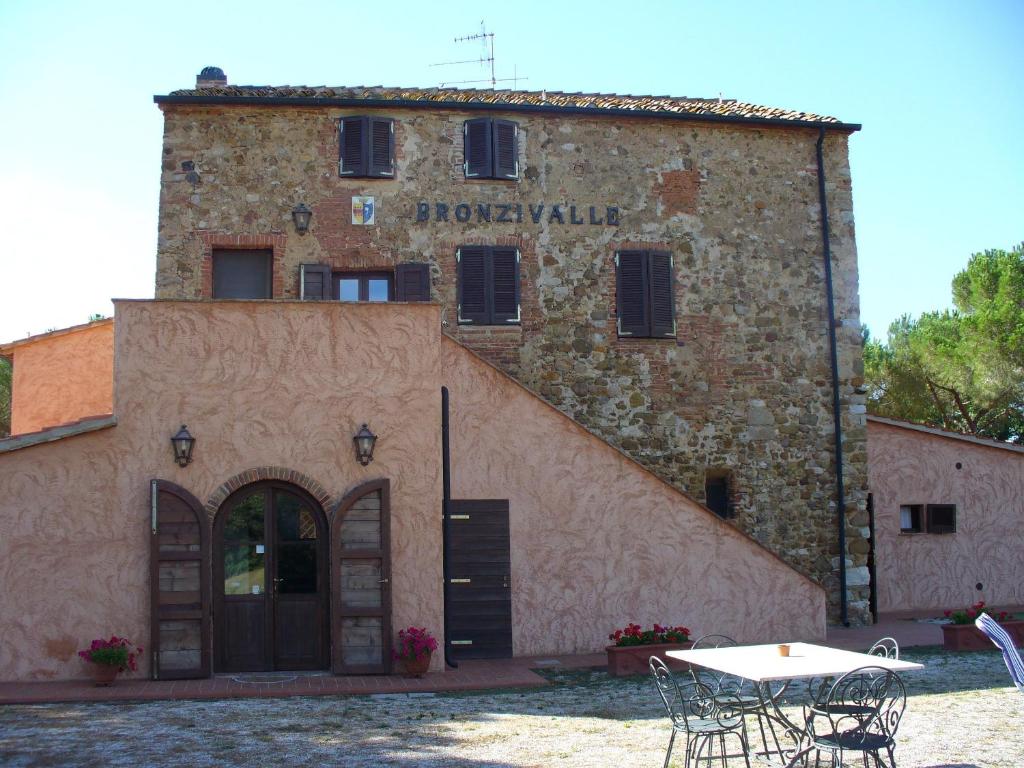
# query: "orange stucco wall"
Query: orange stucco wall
923,571
259,384
62,378
597,541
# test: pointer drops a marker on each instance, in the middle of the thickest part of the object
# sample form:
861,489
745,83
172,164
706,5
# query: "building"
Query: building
948,515
656,290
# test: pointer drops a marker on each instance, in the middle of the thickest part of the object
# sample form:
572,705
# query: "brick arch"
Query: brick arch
256,474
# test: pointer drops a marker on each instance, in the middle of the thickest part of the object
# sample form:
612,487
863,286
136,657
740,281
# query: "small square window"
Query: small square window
942,518
910,518
364,286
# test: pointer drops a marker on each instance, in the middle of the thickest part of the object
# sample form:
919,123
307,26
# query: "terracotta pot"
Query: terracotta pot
417,667
634,659
967,637
104,674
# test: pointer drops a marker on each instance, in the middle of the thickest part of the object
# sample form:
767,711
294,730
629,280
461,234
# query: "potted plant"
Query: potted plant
633,646
415,644
960,634
108,657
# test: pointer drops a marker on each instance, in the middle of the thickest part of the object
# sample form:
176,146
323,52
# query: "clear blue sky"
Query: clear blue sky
938,170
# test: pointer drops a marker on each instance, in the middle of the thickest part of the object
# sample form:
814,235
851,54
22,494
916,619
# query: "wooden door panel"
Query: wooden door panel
479,591
179,584
245,648
297,633
361,590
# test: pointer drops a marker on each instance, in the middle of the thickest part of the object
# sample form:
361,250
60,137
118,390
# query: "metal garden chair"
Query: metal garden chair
860,713
736,688
886,647
702,716
1004,643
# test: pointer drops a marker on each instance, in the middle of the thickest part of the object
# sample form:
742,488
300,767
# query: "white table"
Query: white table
762,665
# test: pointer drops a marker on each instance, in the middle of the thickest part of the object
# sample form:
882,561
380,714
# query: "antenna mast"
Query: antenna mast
486,58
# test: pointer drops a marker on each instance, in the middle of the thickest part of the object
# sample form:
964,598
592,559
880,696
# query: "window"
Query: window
910,518
364,286
490,148
716,492
941,518
409,282
367,147
645,301
488,279
242,274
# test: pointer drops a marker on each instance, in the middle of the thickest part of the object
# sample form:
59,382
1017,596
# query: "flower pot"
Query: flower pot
104,674
967,637
417,667
635,659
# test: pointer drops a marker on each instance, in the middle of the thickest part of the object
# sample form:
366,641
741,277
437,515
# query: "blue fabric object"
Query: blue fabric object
1004,642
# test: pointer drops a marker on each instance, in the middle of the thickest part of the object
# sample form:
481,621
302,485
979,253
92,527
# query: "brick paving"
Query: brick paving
507,673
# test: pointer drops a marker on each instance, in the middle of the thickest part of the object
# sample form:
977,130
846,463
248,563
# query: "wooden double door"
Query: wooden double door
271,588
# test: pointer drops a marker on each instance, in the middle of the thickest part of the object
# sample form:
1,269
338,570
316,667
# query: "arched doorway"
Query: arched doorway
270,580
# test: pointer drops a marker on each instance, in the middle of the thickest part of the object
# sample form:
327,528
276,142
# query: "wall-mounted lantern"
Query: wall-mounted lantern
183,443
364,440
301,216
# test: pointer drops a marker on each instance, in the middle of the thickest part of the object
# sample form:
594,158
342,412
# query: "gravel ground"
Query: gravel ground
960,714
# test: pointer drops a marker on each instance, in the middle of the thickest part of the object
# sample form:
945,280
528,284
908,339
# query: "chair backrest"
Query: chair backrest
718,682
1004,643
887,647
683,702
865,702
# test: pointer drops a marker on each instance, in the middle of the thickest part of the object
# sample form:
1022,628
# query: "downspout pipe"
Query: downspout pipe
833,359
446,485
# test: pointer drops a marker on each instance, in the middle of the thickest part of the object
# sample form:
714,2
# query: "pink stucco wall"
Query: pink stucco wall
923,571
597,541
259,384
62,377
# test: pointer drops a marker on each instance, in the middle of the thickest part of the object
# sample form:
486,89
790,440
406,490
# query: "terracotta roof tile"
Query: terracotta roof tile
647,105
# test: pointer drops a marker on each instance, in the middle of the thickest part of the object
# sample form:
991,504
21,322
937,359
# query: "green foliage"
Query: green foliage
960,369
5,397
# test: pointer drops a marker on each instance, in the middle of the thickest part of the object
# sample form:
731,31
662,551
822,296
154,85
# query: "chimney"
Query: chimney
211,77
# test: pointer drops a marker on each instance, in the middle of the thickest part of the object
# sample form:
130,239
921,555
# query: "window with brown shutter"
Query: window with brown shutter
366,147
242,274
644,294
491,149
412,282
488,285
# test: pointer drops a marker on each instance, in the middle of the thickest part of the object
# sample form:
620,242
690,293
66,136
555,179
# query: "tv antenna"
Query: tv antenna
486,58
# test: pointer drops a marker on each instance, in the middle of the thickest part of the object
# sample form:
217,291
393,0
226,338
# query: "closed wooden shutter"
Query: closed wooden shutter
314,282
179,584
353,146
472,277
412,282
506,162
477,147
242,274
504,284
382,147
663,322
632,294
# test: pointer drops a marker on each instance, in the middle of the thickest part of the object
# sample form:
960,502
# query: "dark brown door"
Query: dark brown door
480,579
180,584
270,573
361,560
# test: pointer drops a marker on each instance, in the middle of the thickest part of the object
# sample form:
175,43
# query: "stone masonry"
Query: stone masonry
744,389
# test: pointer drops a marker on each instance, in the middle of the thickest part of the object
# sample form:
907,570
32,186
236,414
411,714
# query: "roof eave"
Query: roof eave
273,101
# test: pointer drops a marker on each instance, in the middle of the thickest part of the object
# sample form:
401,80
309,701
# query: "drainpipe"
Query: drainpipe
833,359
446,485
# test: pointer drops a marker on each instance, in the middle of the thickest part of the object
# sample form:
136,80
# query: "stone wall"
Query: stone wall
744,387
